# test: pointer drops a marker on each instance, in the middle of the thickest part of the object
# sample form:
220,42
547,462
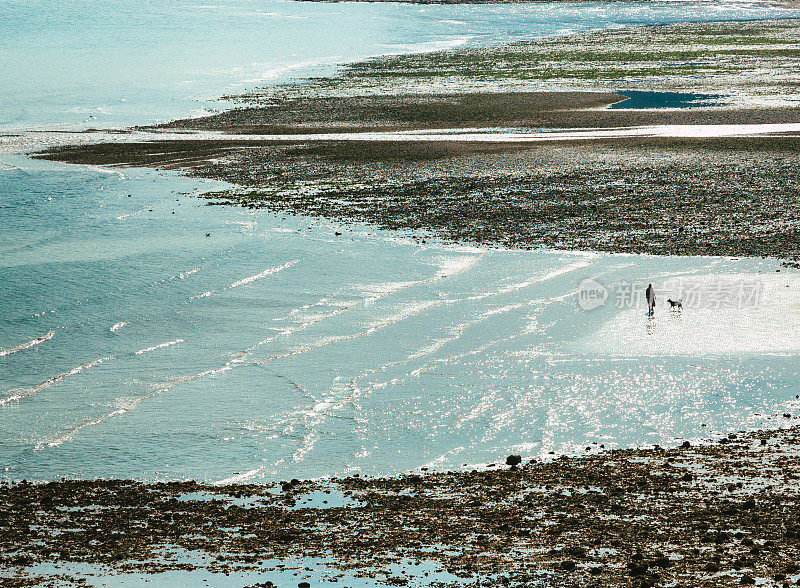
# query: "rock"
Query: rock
662,561
686,445
576,550
513,460
637,569
747,580
304,585
567,565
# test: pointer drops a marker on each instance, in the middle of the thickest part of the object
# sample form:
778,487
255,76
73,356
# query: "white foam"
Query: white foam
265,273
28,344
20,393
184,275
117,326
276,72
68,436
452,266
235,479
160,346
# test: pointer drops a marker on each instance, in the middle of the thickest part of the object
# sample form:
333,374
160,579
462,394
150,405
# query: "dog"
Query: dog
675,304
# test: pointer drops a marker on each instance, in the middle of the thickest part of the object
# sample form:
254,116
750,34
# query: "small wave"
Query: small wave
135,212
184,275
20,393
452,266
240,477
265,273
129,406
429,46
117,326
377,291
64,438
281,70
160,346
407,312
27,344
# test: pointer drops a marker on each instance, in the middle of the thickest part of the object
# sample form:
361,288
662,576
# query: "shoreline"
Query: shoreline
730,196
725,196
717,513
721,514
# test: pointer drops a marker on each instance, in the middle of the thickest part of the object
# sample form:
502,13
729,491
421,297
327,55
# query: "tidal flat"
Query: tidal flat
719,513
705,196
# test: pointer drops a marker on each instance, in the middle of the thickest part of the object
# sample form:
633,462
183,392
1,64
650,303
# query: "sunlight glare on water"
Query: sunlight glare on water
145,335
273,348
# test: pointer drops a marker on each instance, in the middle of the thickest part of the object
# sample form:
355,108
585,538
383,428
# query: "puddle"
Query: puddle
327,497
638,100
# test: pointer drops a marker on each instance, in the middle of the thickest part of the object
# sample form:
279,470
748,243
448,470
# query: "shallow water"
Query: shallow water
638,100
154,337
146,335
81,63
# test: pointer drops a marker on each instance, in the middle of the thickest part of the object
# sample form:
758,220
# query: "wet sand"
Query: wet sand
526,110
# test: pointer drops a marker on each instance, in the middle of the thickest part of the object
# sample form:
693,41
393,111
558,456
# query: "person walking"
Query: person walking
650,294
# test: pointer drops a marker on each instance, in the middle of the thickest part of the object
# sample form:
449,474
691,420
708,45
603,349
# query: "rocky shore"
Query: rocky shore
734,196
720,513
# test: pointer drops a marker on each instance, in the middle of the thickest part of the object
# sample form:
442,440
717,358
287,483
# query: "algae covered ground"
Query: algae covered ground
715,515
746,62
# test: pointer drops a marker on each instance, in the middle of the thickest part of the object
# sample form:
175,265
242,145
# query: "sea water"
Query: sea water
144,334
83,63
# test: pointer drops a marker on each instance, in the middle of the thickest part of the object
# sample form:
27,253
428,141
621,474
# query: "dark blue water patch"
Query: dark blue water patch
636,99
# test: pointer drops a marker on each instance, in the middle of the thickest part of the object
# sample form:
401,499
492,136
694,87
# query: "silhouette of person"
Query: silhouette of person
650,294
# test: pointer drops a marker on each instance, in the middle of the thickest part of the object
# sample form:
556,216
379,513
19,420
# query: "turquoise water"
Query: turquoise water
146,335
83,63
